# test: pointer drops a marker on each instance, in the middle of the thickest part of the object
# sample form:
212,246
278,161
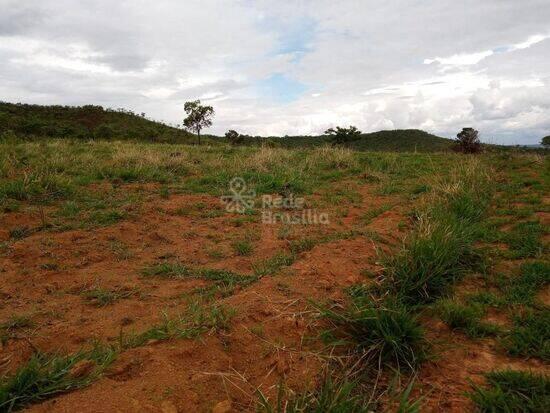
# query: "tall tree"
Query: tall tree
343,135
545,141
198,117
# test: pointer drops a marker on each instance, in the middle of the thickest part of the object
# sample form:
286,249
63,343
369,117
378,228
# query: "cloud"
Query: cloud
272,67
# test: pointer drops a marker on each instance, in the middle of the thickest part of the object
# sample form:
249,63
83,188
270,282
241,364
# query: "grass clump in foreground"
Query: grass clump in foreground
382,320
45,376
466,318
441,247
525,239
523,288
513,391
386,331
332,396
530,336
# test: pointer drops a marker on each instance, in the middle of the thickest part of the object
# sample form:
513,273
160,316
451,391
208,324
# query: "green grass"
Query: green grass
386,331
512,391
243,248
530,335
197,320
101,297
332,396
271,266
224,281
45,376
302,245
440,249
522,289
467,319
525,239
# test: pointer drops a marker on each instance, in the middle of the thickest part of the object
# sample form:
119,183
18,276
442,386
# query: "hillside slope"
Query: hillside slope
95,122
400,140
83,122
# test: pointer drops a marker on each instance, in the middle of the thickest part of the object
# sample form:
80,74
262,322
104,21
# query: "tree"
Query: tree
343,135
546,141
234,137
198,117
468,141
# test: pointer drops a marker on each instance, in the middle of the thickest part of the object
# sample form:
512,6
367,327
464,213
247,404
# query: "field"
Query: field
126,284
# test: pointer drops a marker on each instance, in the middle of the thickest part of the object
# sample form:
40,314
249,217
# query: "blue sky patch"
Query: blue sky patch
280,88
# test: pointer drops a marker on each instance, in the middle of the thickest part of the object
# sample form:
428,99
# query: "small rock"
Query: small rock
223,407
82,369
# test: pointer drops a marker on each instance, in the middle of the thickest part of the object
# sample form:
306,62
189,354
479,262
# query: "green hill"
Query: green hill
400,140
94,122
83,122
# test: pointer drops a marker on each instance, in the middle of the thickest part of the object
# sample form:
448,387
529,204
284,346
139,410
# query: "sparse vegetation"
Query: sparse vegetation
465,243
468,141
45,376
512,391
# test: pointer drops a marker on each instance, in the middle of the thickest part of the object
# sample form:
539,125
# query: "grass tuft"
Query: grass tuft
512,391
45,376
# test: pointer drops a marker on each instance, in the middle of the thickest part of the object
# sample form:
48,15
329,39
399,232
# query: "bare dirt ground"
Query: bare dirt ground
273,337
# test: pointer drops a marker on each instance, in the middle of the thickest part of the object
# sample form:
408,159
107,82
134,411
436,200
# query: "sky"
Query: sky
287,67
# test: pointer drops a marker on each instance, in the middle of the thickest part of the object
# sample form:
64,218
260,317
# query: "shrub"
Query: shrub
468,141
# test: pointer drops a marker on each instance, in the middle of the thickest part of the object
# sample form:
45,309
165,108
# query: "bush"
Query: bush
468,141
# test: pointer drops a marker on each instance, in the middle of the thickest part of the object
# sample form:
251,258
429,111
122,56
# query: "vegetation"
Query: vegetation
513,391
234,137
83,123
468,141
45,376
422,238
198,117
342,136
545,141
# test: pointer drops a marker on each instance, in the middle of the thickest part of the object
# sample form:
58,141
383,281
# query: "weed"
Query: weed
512,391
333,396
243,248
466,319
530,336
302,245
525,239
197,320
384,330
272,265
101,297
45,376
522,289
224,281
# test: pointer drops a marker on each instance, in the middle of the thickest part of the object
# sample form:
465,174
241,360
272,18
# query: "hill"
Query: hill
83,122
400,140
95,122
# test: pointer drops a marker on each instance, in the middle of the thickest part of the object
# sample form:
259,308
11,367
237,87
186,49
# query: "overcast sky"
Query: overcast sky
289,66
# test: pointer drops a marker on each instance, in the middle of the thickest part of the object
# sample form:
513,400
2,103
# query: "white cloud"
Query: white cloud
374,64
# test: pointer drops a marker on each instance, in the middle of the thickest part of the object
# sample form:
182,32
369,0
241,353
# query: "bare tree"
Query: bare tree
198,117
